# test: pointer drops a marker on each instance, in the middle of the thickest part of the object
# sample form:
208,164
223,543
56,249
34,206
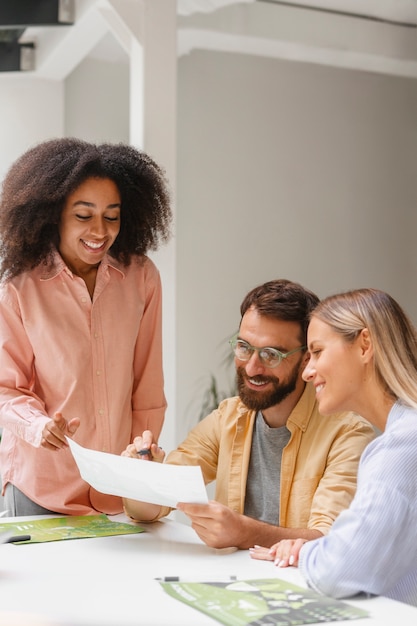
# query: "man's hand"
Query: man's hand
145,448
220,527
55,431
216,524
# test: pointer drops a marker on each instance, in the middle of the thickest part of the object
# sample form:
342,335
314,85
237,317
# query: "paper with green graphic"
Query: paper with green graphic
269,601
68,527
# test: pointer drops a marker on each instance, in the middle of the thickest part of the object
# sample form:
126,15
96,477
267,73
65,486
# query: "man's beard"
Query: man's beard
262,400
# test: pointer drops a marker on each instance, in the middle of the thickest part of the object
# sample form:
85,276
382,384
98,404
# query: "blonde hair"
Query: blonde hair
393,336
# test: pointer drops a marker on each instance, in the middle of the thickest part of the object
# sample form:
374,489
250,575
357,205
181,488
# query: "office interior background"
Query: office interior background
288,131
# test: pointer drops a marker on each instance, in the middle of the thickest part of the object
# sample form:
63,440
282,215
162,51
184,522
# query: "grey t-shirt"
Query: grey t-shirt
264,475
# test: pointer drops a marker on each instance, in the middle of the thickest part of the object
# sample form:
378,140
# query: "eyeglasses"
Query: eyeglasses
270,357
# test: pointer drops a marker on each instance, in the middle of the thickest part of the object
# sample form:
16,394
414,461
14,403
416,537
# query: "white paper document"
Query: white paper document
147,481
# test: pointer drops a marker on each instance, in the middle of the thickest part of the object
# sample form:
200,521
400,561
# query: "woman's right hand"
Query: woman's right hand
145,448
56,430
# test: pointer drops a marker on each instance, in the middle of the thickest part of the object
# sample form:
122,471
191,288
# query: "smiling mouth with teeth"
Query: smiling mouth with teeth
258,383
91,244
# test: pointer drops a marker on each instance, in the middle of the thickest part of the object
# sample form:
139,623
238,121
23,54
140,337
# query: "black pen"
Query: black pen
177,579
144,452
17,538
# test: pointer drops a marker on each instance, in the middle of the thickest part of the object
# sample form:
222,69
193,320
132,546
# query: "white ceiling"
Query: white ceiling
404,11
370,35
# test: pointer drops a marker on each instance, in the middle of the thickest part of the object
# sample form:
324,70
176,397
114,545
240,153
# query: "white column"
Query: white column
160,141
152,49
160,98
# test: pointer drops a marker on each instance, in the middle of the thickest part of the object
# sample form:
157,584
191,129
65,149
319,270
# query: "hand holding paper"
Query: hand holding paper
156,483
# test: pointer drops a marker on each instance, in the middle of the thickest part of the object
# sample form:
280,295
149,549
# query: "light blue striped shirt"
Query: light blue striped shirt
372,546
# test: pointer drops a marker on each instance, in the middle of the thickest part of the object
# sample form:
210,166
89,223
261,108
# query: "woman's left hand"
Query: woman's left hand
284,553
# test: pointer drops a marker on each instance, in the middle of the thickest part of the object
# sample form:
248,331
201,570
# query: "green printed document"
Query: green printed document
262,602
68,527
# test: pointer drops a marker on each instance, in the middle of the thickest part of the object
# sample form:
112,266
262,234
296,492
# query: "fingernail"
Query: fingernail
291,560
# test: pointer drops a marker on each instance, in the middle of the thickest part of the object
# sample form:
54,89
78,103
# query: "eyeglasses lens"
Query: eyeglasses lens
268,356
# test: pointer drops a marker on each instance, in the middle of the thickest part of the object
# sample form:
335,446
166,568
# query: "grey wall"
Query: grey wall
97,101
286,170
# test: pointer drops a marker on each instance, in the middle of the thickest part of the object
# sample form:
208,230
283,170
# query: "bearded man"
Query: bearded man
282,470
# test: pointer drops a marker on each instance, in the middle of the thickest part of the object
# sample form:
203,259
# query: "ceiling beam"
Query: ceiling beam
18,13
299,34
60,50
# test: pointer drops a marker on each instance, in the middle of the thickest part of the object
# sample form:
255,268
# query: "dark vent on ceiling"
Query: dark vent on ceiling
16,16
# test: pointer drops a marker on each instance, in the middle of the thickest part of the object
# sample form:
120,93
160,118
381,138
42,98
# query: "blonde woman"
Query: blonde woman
363,358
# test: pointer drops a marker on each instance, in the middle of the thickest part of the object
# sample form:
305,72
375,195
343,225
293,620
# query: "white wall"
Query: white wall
31,110
286,170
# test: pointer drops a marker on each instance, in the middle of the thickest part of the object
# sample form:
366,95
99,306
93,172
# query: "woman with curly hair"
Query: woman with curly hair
80,316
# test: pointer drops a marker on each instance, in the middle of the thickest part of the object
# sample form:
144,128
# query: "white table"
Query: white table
110,581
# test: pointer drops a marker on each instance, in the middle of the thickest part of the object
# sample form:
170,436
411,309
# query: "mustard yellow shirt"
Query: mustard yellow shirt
99,360
319,464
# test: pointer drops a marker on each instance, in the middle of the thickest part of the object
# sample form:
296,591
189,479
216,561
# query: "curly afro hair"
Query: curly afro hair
36,186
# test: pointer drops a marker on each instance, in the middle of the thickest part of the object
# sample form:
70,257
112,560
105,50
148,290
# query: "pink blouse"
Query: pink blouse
99,360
